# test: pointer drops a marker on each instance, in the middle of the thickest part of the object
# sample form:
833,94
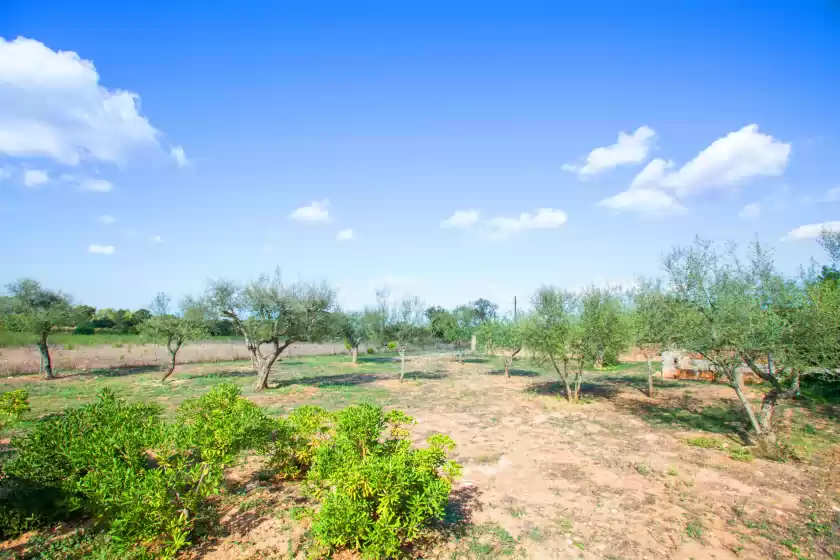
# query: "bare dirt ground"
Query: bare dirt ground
544,479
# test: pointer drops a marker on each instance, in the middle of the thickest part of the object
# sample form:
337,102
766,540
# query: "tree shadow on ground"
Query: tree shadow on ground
640,383
457,518
420,374
223,374
515,372
726,417
587,389
111,372
475,360
347,379
377,359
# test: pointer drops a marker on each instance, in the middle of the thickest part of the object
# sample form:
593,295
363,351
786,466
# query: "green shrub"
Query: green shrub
12,405
392,346
378,494
142,480
297,440
84,328
371,350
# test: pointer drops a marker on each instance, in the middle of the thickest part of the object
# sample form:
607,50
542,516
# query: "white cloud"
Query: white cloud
345,235
107,219
630,148
35,177
652,174
733,159
52,105
751,211
178,154
4,174
157,239
831,195
101,249
811,231
315,212
95,185
461,219
649,202
544,218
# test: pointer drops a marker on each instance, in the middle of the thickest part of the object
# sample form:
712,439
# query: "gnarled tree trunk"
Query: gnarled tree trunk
736,381
402,364
650,377
354,354
173,353
265,363
44,348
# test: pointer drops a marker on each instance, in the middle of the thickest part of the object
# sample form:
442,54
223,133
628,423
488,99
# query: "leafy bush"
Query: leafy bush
215,428
297,440
84,328
146,482
371,350
378,494
392,346
12,405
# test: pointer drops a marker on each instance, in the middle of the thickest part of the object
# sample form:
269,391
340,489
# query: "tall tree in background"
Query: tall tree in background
173,331
605,326
459,327
405,326
650,322
268,312
553,333
484,310
351,326
40,311
504,336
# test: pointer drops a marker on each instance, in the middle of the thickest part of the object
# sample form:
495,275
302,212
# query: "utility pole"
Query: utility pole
514,308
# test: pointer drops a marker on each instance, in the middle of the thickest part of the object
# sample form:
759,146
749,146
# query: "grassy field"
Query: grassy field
14,340
621,476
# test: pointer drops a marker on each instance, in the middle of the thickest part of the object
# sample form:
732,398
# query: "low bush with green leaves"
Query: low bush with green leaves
297,439
377,493
144,481
13,404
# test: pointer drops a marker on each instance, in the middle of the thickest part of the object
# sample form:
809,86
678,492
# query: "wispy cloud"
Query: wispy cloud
35,177
314,212
812,231
101,249
630,148
344,235
178,154
504,227
107,220
462,219
157,239
648,202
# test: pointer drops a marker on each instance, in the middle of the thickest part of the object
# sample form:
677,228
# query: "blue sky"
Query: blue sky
393,117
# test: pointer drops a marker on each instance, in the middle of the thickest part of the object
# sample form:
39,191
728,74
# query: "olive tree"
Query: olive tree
459,326
351,326
505,337
40,311
744,315
267,312
553,333
605,326
650,322
173,331
404,326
